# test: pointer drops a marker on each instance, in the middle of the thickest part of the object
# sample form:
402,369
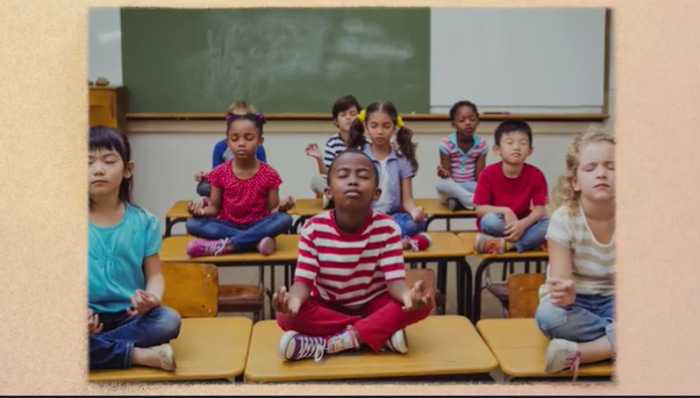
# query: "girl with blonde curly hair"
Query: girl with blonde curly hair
577,301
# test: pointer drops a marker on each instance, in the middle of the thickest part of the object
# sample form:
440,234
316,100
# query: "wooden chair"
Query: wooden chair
523,294
242,298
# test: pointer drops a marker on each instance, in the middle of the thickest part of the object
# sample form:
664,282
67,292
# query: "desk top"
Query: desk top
468,239
178,210
433,208
520,347
207,348
437,345
174,248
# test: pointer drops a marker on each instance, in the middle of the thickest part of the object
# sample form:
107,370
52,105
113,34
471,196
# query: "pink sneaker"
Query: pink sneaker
420,242
205,247
267,246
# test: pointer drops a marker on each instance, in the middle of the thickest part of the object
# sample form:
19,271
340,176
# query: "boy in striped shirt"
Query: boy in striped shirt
345,110
349,285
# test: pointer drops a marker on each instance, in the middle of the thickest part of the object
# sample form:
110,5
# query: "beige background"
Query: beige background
43,224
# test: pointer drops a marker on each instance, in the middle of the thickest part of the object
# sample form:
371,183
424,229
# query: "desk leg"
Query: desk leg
442,284
467,288
168,227
478,278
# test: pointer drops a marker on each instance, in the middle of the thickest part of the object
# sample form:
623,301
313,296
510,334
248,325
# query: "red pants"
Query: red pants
374,323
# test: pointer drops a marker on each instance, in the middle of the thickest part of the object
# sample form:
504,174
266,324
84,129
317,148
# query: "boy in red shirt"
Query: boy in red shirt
511,195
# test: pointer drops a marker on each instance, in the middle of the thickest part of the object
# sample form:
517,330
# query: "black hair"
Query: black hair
404,135
344,103
459,104
107,138
357,151
510,126
258,120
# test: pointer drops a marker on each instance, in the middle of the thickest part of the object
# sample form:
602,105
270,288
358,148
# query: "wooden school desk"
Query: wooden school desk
174,249
438,345
437,211
520,347
177,213
487,259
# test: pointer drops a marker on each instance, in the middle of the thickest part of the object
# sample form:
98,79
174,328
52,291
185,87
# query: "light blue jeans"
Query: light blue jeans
112,348
407,225
589,318
462,191
244,237
494,224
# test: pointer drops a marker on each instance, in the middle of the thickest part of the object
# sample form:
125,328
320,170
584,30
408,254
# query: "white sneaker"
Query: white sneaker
562,355
397,342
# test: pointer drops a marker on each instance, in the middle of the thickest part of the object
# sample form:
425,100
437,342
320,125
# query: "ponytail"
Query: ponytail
357,135
407,146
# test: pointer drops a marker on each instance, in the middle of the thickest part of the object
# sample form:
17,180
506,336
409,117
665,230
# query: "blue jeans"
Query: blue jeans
407,225
589,318
462,191
244,237
112,348
533,237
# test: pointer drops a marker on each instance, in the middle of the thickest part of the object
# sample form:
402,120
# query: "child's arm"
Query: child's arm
414,298
562,290
313,151
444,166
273,199
143,301
290,302
209,208
480,164
407,201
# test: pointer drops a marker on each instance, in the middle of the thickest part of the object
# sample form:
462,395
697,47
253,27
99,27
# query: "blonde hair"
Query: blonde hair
564,193
240,108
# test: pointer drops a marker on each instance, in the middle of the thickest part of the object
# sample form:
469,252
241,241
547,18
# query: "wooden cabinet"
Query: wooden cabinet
107,107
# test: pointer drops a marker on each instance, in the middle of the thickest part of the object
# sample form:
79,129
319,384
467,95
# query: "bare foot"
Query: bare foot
267,246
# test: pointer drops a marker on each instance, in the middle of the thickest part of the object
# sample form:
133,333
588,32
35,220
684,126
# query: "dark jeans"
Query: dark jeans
244,237
112,348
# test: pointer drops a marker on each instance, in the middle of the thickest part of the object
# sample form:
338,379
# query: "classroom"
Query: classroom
172,74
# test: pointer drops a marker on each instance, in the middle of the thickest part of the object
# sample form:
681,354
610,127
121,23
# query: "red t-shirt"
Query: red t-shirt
244,201
520,193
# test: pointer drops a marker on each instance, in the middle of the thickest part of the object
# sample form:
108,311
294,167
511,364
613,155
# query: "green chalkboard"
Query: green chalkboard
281,60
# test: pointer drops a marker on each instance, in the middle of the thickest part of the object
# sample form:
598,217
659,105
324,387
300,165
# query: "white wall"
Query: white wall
105,44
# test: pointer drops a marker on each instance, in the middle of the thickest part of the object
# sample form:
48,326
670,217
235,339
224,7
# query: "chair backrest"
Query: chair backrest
523,296
192,289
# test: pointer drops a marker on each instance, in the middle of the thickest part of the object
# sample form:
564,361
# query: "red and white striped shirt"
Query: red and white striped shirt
349,269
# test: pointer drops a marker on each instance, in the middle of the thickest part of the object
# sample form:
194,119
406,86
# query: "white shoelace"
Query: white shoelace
311,346
219,246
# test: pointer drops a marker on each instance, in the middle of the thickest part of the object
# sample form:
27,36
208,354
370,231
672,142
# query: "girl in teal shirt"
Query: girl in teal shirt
126,322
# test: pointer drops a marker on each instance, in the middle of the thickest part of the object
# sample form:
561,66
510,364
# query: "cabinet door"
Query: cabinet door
103,108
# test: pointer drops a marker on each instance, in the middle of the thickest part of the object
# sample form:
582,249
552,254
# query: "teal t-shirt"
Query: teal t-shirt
116,256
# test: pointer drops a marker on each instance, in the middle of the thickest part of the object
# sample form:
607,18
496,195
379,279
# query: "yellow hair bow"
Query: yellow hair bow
363,115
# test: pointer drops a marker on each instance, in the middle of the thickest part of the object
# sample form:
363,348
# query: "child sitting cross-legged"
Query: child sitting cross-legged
349,285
